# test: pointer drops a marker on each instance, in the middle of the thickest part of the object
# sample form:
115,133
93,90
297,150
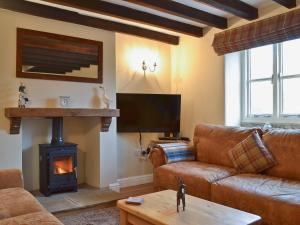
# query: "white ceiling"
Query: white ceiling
191,3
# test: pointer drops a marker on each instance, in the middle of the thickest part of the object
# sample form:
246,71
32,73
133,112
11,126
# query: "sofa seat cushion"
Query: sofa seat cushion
196,175
17,201
37,218
276,200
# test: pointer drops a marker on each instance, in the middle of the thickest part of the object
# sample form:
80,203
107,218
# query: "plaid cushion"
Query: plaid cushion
251,156
176,152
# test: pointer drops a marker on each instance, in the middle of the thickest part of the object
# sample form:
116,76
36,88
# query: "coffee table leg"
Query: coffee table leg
123,217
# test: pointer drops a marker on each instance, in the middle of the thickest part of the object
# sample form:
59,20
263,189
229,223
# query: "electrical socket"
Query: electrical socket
144,153
137,153
141,153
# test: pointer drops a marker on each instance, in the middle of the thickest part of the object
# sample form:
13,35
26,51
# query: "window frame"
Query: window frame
277,79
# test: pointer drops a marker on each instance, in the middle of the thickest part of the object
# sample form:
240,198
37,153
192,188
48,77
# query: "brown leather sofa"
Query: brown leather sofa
17,206
274,195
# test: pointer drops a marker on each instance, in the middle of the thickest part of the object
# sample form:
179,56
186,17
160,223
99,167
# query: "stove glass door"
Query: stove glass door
63,165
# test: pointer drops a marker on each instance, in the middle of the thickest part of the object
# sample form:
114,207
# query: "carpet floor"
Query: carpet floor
91,216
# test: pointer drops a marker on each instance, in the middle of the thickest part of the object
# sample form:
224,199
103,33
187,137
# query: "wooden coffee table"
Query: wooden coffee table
160,209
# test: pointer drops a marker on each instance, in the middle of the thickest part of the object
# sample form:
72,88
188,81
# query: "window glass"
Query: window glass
266,90
291,94
261,98
290,57
261,62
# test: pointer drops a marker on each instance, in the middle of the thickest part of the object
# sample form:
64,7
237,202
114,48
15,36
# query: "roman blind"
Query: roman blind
272,30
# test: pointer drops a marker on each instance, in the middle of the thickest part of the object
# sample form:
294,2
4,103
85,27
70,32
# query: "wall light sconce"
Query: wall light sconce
145,67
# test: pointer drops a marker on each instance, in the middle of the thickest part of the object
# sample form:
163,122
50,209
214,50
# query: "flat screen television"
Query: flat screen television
148,113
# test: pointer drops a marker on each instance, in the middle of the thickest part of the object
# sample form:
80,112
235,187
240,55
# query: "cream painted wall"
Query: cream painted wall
197,74
130,52
90,72
45,93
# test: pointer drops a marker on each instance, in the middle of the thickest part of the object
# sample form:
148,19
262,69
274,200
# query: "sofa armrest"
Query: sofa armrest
11,178
157,157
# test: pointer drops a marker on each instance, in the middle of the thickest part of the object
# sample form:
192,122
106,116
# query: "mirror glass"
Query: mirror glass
50,56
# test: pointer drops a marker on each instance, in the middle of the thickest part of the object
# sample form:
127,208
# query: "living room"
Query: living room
177,48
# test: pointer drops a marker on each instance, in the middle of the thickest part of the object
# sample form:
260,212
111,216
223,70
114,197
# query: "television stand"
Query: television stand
174,138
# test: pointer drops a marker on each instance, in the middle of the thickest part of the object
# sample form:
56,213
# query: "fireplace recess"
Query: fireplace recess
51,181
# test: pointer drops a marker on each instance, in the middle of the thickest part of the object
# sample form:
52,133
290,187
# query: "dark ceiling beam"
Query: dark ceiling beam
61,46
48,70
287,3
53,65
235,7
48,12
51,53
184,11
34,61
122,12
48,43
56,59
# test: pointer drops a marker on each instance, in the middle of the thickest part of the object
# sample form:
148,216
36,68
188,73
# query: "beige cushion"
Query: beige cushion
251,156
17,201
4,213
37,218
11,178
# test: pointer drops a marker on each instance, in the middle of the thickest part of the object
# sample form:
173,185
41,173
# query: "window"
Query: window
272,82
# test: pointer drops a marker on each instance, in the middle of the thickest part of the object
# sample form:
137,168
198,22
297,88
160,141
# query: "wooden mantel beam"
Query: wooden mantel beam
73,17
235,7
181,10
16,114
287,3
118,11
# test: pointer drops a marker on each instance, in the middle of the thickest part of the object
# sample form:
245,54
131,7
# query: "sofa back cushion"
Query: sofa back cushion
285,147
212,142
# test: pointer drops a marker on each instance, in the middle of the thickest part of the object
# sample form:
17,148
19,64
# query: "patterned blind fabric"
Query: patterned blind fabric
275,29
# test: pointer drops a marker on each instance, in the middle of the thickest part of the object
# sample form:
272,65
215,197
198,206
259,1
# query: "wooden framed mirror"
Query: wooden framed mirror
48,56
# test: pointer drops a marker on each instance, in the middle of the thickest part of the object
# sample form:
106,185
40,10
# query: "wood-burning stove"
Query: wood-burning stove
58,163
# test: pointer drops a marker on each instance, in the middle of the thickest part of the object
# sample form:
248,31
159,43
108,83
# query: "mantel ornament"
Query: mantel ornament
104,98
23,96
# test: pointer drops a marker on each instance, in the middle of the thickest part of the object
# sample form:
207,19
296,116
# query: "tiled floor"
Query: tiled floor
88,196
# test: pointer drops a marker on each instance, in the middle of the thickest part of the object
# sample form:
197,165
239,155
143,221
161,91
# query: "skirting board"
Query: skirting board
131,181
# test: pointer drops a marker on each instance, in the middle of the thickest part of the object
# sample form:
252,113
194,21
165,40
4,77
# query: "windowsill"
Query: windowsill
260,122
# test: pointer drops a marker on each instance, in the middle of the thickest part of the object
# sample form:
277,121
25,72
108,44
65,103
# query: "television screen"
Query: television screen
148,113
